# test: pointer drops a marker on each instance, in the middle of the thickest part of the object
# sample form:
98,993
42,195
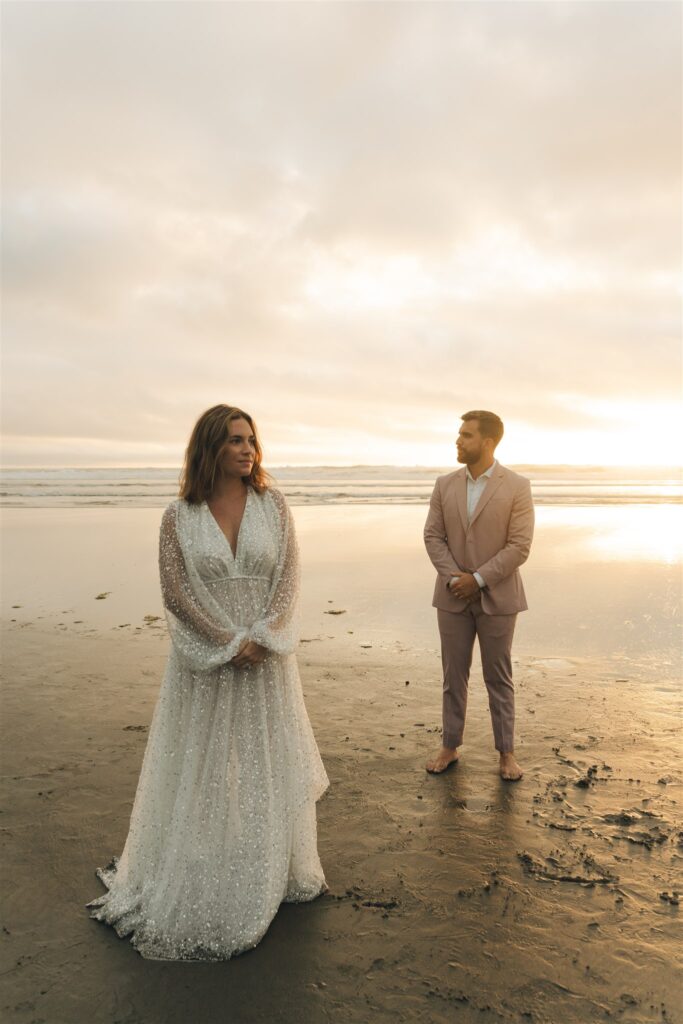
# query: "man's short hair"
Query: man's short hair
490,425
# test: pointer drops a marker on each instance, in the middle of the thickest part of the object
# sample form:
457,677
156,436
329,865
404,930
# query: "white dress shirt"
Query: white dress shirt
475,488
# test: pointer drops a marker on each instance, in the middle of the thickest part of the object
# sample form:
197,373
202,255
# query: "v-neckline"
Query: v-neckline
239,528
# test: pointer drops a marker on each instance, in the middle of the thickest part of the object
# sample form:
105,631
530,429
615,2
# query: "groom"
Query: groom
478,532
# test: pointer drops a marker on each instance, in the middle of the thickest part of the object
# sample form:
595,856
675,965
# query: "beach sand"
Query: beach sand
452,898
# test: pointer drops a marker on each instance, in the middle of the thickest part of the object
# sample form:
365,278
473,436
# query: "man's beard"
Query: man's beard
470,458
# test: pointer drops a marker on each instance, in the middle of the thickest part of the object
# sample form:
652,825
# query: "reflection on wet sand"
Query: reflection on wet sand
630,533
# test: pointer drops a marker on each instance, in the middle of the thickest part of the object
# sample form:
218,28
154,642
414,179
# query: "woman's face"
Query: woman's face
239,451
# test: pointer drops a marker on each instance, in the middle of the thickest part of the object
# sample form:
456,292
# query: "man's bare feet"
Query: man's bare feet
442,760
509,769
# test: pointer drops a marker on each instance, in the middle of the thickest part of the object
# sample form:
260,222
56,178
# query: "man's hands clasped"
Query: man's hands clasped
463,586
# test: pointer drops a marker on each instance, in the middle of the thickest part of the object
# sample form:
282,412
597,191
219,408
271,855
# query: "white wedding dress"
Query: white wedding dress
223,827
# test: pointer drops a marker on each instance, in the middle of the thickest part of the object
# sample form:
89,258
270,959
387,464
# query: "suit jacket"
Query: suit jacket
494,544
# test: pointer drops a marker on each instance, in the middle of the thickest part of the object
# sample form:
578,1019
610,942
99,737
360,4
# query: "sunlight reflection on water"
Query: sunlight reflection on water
624,533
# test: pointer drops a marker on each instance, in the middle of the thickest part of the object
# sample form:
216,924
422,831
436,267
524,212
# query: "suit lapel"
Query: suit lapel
493,483
461,496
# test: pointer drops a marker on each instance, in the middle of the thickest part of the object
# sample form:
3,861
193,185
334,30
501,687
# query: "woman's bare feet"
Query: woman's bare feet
442,760
509,769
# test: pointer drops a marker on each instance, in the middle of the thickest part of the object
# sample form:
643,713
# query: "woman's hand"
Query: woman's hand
250,653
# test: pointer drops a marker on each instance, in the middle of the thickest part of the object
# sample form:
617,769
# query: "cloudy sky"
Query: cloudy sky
355,220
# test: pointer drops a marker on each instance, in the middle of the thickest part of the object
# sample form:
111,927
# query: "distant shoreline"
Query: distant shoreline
335,485
530,467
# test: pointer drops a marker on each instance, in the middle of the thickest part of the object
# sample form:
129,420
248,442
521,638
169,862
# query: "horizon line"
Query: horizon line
362,465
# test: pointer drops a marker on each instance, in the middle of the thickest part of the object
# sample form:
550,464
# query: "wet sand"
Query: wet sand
452,898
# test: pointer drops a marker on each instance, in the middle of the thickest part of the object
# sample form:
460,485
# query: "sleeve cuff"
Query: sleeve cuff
480,580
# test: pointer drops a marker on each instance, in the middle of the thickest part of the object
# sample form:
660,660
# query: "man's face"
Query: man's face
470,443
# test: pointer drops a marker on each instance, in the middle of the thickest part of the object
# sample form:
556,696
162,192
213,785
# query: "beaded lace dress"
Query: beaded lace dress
223,827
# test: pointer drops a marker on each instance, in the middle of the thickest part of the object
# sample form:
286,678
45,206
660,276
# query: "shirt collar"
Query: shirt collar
484,475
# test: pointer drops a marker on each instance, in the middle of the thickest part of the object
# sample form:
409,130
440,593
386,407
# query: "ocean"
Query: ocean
333,485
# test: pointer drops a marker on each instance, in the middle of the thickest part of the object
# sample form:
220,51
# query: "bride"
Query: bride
223,827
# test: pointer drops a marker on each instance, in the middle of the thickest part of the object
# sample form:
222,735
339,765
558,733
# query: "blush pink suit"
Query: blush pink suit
494,544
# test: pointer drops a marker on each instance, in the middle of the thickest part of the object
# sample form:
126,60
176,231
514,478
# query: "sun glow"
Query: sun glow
633,433
497,260
350,285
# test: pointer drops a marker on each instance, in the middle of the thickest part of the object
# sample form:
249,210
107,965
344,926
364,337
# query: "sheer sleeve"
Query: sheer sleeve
200,638
277,628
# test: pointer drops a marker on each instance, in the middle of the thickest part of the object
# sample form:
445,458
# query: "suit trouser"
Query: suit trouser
495,632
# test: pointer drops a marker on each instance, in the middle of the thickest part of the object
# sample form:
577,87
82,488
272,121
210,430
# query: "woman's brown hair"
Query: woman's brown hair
210,434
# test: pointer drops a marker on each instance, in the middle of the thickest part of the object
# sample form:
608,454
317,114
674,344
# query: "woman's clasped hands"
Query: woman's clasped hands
250,653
